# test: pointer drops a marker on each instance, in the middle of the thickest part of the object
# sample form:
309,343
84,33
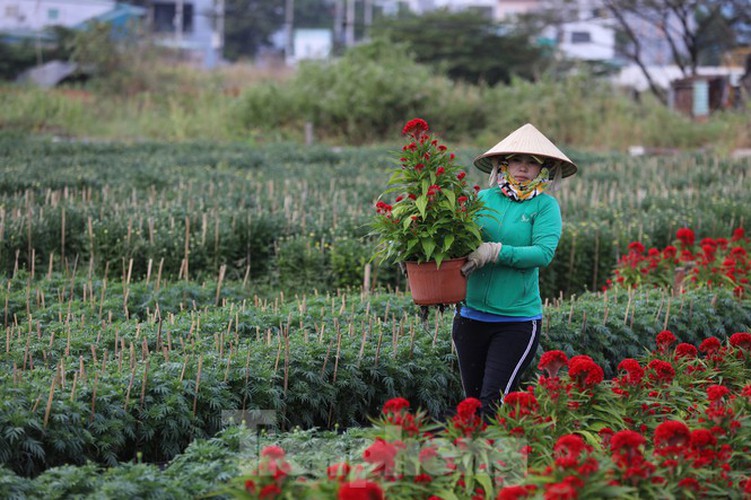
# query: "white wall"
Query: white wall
37,14
601,44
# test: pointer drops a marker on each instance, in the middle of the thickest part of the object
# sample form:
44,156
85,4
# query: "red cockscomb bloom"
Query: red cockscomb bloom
584,371
661,371
686,236
516,492
521,404
568,489
738,234
270,491
381,454
717,392
395,405
552,362
360,490
636,246
415,127
665,339
710,345
672,433
339,471
634,371
687,351
568,450
741,340
669,252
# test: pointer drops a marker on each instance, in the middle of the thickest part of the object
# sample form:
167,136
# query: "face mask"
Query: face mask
526,191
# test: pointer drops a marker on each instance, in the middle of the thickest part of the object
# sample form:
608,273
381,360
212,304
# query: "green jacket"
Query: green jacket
529,231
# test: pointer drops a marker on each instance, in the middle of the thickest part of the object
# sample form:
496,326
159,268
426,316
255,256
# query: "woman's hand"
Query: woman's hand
485,254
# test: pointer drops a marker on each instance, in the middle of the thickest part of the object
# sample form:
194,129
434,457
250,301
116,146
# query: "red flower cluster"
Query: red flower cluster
552,362
714,262
585,372
416,128
466,420
395,413
360,490
521,404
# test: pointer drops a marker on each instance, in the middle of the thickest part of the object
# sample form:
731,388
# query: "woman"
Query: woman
496,330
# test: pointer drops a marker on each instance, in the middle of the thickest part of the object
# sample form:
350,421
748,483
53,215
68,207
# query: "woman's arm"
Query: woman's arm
546,232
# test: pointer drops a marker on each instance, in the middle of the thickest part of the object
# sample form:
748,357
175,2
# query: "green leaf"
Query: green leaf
428,245
447,242
452,199
422,204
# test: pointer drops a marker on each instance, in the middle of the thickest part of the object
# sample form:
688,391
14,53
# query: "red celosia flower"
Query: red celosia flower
634,371
684,350
461,175
584,371
521,404
552,362
689,483
338,471
742,340
686,236
250,486
568,450
270,491
565,490
415,127
395,405
462,200
672,433
467,408
625,446
710,345
440,170
738,234
669,252
360,490
665,339
381,454
661,371
466,419
636,246
702,438
516,492
717,392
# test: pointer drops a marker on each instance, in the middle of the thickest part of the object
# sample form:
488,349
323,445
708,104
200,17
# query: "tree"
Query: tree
695,30
466,46
249,24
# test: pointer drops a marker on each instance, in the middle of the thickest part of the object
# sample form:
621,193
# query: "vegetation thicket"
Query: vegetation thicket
362,97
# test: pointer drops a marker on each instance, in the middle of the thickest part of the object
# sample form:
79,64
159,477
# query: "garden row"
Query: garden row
106,371
673,422
296,218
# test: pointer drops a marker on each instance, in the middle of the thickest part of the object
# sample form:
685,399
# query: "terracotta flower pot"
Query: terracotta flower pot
431,285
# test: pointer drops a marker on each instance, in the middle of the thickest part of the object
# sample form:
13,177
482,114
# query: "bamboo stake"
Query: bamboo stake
222,271
143,382
198,384
338,349
48,408
667,314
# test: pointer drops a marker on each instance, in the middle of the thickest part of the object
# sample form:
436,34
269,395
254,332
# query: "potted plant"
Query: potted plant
430,226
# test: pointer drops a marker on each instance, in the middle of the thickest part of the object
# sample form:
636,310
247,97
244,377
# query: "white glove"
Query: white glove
485,254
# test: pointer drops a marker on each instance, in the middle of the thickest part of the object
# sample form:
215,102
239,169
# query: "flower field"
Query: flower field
675,423
153,296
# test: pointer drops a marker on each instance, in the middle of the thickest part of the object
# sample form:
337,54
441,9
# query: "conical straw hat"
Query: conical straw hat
526,140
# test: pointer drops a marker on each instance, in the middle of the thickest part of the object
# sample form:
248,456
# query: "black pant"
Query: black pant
493,356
